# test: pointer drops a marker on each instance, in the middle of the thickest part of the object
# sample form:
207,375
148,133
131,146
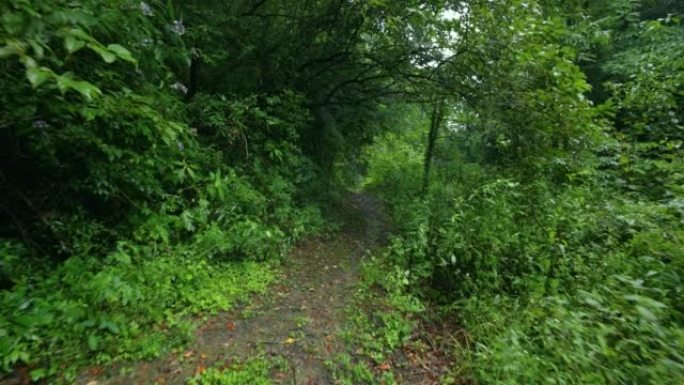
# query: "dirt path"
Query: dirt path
296,321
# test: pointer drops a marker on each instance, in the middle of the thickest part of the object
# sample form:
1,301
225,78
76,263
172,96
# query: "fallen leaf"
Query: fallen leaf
230,326
384,366
290,341
188,354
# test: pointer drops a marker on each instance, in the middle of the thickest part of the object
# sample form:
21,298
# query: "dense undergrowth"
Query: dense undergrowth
555,231
125,210
381,321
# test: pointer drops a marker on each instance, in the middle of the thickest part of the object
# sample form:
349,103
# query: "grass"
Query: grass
382,318
253,372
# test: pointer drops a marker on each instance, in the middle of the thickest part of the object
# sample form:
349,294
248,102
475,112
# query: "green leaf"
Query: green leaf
38,75
106,54
122,53
646,314
169,8
12,22
7,51
37,48
88,90
37,374
109,325
28,61
72,44
93,342
78,33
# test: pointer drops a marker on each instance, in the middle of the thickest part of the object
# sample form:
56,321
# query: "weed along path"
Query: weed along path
293,328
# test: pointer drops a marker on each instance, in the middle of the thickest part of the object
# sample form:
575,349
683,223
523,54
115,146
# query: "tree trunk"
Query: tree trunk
435,122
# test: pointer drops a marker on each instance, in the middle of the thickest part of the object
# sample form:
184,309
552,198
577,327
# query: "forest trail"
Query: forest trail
295,321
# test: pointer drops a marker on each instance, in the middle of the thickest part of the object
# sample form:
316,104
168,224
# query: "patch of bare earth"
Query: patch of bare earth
432,353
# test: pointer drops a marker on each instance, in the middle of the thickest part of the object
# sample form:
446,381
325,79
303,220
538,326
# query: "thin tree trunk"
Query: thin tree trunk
435,122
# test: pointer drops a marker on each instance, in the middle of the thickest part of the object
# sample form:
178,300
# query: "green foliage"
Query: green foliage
251,372
155,156
381,322
615,334
124,210
552,226
646,81
131,307
395,165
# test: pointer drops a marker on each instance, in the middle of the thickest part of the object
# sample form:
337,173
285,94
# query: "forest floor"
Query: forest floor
297,325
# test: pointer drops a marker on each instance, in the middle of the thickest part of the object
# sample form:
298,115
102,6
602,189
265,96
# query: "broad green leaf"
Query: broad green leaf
86,89
78,33
93,342
107,55
122,53
28,61
646,313
109,325
73,44
38,75
37,374
37,48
